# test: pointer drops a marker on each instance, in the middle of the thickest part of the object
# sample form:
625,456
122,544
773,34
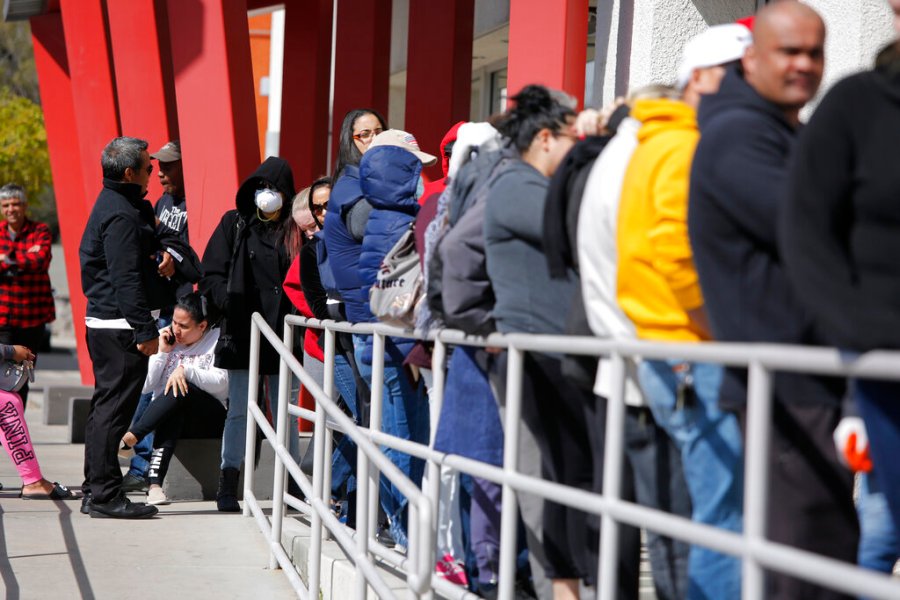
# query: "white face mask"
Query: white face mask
420,187
268,200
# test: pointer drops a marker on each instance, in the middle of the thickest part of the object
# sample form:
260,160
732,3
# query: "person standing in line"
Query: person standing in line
738,183
171,219
659,291
121,280
244,267
26,298
838,228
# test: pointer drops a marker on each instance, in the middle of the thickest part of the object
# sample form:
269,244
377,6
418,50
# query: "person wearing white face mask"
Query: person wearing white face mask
245,264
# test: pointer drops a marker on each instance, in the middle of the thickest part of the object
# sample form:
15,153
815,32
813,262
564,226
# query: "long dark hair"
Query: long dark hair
536,108
348,153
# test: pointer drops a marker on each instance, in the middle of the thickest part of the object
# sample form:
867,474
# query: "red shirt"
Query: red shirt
26,299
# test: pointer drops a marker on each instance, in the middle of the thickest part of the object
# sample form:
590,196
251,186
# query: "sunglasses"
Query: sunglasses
320,208
367,134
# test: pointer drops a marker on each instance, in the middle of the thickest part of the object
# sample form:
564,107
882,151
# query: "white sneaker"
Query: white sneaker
156,496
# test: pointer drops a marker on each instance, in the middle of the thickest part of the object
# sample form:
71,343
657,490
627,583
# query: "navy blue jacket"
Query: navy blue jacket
343,250
737,185
389,177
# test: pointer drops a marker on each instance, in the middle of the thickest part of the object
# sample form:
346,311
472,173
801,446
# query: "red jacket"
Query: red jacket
295,294
438,185
26,299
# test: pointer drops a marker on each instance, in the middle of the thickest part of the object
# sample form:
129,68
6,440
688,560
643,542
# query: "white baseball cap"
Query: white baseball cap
402,139
717,45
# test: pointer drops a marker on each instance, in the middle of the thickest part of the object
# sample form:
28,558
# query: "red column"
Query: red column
438,71
65,161
307,71
362,61
216,111
138,32
548,45
93,92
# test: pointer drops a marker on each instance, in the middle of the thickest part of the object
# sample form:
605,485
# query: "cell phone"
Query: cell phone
170,336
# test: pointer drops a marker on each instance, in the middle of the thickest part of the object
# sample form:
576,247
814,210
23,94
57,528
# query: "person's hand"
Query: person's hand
177,382
149,348
21,353
166,340
852,444
587,123
166,266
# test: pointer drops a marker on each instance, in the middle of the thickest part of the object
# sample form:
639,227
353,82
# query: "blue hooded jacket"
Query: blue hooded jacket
389,178
343,250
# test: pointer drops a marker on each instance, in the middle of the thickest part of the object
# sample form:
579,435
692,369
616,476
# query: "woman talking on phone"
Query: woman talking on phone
189,392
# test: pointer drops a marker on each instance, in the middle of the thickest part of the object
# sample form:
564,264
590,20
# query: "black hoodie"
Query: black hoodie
736,190
244,266
841,224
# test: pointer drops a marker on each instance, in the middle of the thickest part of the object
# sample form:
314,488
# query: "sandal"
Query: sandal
59,492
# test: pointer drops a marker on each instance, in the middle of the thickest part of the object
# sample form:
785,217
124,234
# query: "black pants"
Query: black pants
31,338
195,415
810,494
569,424
119,373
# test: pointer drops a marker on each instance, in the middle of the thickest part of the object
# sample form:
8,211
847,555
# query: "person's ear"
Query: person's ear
203,325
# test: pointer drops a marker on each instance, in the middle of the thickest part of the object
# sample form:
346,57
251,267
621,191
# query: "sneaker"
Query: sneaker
133,483
157,496
86,503
451,570
125,451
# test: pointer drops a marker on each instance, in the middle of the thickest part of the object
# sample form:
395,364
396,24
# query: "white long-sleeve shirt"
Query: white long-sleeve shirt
597,255
197,360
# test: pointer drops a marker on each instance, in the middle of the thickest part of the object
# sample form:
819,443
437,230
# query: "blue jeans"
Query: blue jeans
404,415
879,542
343,460
234,437
879,406
712,456
140,462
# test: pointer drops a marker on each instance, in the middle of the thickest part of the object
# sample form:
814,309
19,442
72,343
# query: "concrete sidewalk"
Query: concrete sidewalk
50,550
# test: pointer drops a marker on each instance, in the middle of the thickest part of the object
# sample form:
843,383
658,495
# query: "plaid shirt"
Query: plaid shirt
26,299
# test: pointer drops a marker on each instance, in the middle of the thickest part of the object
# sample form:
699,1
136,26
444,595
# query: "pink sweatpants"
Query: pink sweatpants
15,438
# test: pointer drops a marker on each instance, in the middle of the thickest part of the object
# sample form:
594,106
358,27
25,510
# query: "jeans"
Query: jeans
879,542
343,459
234,437
712,456
140,462
879,406
404,415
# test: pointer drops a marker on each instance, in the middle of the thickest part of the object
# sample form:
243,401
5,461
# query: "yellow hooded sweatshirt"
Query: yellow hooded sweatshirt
657,282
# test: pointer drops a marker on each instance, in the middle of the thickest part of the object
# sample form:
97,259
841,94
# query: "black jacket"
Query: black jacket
118,259
841,225
244,267
736,190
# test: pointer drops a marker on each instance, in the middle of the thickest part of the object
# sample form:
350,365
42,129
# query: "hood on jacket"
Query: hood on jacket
388,177
472,135
663,114
735,93
450,136
275,171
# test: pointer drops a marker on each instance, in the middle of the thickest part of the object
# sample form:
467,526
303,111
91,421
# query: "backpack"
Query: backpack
398,288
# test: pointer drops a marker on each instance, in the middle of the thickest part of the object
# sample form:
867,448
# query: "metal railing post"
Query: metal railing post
252,388
328,387
613,454
756,479
375,415
319,467
509,515
436,401
282,418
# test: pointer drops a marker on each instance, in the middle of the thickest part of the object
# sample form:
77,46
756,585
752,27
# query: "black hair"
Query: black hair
448,149
320,182
196,305
348,153
536,108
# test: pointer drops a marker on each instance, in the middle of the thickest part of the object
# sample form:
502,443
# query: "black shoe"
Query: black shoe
226,496
131,483
385,538
86,503
121,507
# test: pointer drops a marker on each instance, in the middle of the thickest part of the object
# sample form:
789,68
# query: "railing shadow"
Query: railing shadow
6,571
72,550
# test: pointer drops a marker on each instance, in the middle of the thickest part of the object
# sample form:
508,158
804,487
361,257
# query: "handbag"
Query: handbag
398,288
13,375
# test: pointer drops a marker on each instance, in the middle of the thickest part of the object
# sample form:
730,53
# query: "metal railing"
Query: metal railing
756,552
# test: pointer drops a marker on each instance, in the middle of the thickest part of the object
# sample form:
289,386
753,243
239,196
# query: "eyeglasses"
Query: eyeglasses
367,134
320,208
